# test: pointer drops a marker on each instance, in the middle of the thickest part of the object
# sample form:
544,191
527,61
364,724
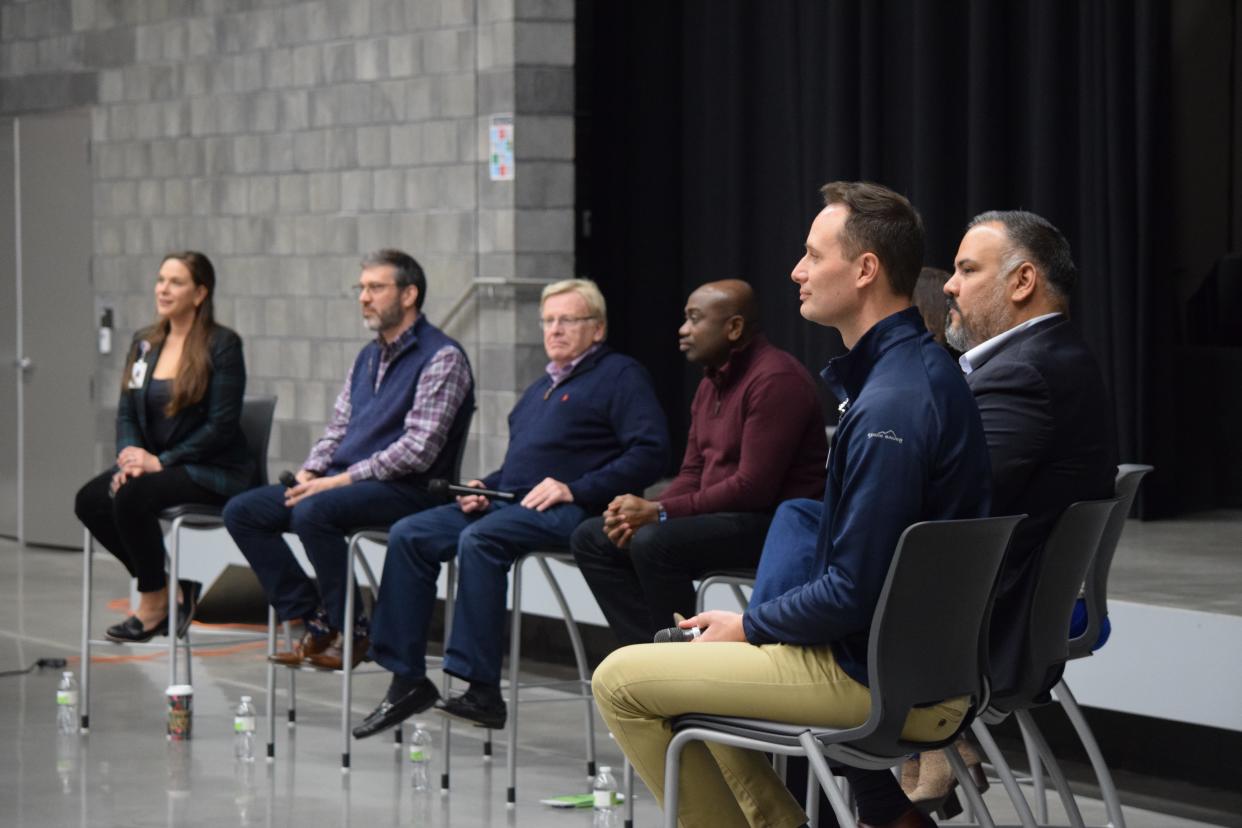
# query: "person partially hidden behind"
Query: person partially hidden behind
589,427
178,439
756,439
397,422
909,448
1046,415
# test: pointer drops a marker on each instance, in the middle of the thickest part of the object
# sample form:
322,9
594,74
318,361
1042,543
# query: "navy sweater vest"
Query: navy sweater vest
377,416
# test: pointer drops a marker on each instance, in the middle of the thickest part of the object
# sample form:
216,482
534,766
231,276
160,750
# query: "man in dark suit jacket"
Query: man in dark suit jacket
1046,414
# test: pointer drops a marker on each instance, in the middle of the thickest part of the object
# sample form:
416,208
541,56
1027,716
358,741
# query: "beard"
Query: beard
383,318
987,321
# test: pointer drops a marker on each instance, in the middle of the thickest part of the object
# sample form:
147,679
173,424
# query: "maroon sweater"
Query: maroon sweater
756,437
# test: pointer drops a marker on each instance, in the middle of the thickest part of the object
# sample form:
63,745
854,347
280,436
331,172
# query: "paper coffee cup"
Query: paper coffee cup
180,711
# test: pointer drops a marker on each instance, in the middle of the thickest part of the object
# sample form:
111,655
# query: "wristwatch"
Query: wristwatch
663,515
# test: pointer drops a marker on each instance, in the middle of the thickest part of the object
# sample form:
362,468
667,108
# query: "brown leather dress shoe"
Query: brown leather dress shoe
333,657
308,645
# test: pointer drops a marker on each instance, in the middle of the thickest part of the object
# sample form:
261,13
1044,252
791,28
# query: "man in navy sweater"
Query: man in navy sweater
909,448
397,422
589,428
756,439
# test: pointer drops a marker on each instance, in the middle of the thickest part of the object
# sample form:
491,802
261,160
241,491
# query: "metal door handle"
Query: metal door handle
24,364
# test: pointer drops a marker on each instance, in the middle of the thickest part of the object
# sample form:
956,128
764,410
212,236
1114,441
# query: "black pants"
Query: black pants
639,588
128,525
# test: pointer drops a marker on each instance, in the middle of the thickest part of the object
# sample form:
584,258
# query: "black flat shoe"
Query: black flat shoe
392,713
479,712
185,611
130,631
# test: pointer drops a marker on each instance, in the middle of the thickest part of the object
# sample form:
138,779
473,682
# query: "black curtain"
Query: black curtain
706,128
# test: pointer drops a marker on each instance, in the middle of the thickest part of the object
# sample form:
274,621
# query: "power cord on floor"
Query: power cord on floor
54,663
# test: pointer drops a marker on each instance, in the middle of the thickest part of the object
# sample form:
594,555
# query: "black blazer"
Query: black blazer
1049,426
207,438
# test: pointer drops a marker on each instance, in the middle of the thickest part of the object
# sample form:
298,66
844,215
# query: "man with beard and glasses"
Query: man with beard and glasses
397,422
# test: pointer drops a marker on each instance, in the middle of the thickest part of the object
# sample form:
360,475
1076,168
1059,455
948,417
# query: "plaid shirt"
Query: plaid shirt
442,386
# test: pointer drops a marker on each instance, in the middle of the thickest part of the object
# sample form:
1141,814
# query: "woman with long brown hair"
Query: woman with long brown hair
178,438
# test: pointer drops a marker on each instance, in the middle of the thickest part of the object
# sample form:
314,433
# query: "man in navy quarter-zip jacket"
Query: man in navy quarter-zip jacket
591,427
909,448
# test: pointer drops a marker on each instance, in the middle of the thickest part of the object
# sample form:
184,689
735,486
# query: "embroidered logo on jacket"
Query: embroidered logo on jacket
885,435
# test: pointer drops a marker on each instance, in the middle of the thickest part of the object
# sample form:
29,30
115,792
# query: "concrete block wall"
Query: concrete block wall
285,138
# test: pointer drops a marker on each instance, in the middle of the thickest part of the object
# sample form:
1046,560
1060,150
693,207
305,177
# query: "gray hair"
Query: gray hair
1035,239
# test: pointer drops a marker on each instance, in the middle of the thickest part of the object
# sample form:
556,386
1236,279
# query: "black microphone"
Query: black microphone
676,634
444,488
287,479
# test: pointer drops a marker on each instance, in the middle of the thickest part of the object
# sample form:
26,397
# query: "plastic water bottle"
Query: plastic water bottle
67,704
420,757
243,731
606,799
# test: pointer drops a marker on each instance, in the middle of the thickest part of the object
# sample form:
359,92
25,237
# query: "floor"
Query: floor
125,773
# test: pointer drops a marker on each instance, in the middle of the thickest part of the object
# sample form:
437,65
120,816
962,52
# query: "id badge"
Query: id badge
137,373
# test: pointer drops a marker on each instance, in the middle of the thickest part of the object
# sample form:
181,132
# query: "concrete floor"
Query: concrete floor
124,773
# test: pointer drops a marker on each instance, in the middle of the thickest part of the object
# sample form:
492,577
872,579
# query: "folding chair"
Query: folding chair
944,570
256,425
1067,557
1129,476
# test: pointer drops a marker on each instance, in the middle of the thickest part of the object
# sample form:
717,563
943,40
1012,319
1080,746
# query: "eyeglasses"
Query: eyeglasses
371,288
564,321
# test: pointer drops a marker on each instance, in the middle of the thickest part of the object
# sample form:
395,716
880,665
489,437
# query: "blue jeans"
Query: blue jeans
486,545
790,552
256,519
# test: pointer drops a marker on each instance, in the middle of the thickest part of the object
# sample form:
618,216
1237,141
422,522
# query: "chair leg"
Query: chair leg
450,596
672,776
1039,791
1031,731
584,671
980,730
811,804
515,655
819,765
173,569
291,709
979,810
271,684
84,666
347,657
1108,790
628,774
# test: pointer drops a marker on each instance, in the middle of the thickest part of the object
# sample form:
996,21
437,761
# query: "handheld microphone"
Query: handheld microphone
287,479
445,488
676,634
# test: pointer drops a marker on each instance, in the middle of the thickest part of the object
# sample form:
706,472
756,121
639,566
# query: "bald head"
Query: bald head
720,317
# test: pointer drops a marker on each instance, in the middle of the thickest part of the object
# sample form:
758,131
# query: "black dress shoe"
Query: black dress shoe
185,611
392,713
468,707
130,631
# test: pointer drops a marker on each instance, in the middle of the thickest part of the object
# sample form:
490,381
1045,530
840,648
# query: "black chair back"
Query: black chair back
928,640
256,424
1066,558
1129,475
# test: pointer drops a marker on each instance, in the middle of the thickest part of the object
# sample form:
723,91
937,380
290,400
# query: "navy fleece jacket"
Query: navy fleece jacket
601,432
909,447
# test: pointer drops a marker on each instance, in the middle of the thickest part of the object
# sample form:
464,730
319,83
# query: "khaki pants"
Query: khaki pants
639,688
